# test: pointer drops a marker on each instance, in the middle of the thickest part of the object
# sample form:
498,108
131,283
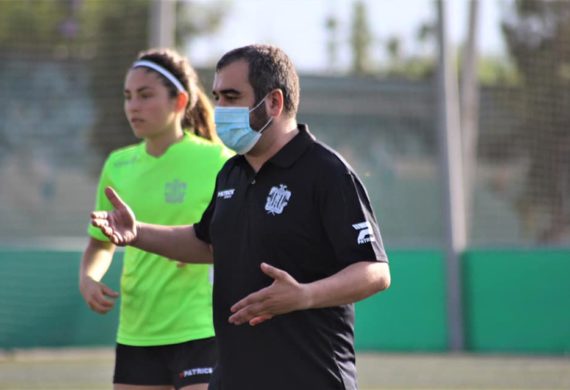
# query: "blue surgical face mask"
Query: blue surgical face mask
232,126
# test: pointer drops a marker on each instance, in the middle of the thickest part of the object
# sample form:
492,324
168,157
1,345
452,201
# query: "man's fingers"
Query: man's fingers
107,231
100,223
99,215
251,299
114,198
117,238
254,308
104,226
248,313
258,320
274,273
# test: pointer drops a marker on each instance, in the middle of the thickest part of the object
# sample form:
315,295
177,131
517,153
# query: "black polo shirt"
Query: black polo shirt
307,213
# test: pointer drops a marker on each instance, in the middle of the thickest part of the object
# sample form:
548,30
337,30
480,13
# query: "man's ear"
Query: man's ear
181,101
276,103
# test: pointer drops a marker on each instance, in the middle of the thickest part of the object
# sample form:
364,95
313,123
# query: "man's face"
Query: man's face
231,86
232,89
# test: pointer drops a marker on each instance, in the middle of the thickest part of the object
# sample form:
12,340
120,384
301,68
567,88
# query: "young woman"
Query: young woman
165,338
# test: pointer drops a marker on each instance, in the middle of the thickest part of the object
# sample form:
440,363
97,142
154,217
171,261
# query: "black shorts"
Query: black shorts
176,365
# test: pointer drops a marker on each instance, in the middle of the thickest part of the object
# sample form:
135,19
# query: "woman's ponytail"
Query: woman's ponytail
200,116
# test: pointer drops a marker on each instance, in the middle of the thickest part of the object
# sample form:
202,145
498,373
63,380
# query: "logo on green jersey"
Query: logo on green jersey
175,191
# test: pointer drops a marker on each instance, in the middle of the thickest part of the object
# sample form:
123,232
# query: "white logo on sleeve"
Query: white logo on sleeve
226,194
277,199
364,232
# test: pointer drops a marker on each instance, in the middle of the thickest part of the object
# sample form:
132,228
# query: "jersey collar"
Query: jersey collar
294,148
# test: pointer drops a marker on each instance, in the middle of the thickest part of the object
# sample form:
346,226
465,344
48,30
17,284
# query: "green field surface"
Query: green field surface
92,369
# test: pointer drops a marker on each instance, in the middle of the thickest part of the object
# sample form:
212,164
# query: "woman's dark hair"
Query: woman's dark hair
199,114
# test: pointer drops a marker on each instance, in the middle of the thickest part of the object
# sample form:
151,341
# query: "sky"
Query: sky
297,26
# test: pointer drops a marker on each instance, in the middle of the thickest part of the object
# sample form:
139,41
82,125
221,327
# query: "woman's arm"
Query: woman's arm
95,262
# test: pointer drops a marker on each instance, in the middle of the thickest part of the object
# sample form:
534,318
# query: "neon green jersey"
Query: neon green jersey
162,301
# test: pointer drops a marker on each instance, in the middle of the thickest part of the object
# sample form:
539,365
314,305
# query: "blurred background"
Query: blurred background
63,63
455,115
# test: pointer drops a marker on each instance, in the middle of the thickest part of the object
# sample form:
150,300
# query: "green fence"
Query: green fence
40,303
410,315
515,301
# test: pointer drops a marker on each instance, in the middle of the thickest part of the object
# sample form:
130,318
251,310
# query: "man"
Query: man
289,229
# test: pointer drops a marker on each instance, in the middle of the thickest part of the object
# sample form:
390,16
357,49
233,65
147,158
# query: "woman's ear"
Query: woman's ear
181,101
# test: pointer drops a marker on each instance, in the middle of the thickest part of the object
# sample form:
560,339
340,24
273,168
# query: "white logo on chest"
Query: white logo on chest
226,194
277,199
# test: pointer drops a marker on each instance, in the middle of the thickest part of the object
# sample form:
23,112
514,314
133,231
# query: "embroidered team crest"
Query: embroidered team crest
277,199
175,191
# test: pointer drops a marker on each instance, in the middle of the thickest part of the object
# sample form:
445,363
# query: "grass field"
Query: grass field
92,369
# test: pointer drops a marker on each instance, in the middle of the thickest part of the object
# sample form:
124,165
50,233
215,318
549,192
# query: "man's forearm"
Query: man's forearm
354,283
173,242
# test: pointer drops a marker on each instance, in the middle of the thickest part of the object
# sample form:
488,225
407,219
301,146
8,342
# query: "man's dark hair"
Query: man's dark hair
269,69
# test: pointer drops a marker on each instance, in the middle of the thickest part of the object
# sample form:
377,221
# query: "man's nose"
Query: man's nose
222,102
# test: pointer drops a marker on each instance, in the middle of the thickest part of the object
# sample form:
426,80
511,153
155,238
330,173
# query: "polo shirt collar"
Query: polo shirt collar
294,148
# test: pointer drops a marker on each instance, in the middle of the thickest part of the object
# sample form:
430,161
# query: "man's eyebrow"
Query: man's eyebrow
228,91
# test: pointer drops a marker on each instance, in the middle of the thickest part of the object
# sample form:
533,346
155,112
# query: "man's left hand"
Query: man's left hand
284,295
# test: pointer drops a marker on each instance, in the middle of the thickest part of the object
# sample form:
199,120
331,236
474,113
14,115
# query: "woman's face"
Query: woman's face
150,111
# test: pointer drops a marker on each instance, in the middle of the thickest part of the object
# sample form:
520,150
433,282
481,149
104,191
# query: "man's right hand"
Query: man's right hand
119,225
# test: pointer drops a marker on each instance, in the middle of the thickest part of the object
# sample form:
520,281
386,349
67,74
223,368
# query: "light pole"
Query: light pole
162,23
450,152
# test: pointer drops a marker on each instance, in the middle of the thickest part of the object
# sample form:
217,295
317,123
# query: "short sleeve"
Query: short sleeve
202,228
348,219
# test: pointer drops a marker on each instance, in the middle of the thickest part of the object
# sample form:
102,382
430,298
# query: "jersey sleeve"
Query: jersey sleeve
101,202
202,228
348,218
